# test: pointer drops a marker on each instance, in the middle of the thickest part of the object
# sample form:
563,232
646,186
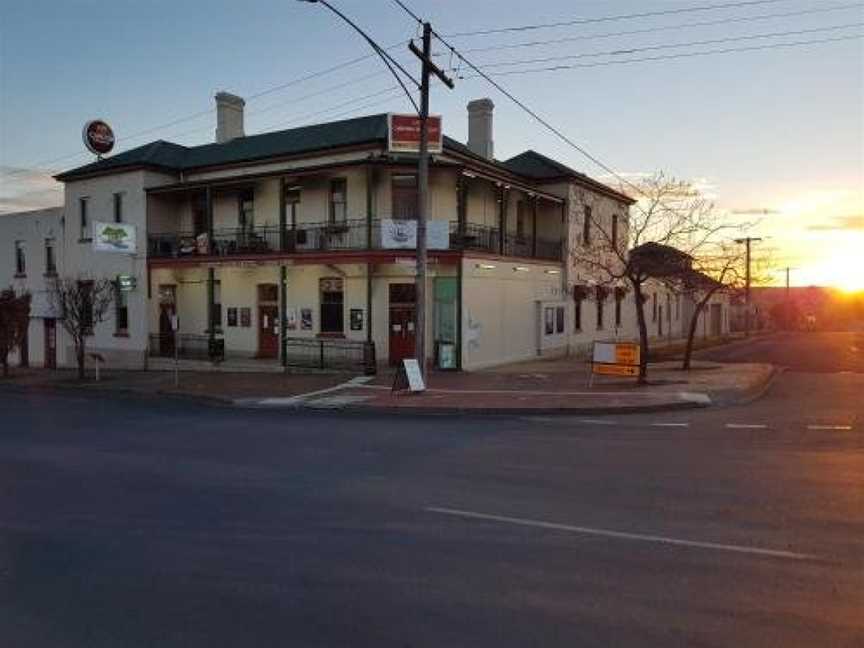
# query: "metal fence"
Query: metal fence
327,353
187,346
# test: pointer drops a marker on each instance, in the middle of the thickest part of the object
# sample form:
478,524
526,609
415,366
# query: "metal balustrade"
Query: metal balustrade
349,235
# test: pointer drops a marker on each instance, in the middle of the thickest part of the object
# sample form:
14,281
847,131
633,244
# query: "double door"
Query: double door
402,320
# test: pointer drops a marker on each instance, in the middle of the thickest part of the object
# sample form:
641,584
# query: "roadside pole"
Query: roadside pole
428,68
747,241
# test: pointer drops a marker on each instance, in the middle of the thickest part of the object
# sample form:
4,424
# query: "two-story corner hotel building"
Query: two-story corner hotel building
302,242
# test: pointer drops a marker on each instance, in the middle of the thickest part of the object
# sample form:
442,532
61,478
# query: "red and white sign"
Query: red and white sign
403,134
98,137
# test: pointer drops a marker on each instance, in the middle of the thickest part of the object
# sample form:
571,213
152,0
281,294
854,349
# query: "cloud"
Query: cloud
22,189
756,211
838,223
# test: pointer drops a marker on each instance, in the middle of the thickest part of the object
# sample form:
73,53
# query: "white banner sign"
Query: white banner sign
114,237
402,234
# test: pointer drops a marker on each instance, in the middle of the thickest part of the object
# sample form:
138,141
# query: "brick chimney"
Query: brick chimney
229,117
480,127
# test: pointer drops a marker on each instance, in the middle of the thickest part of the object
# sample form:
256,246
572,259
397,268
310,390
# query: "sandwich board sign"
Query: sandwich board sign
615,359
409,375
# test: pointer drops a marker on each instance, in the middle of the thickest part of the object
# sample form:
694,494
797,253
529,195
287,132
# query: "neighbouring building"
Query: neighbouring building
33,242
299,245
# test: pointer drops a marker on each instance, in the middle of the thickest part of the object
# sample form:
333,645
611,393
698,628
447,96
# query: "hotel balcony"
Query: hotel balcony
349,235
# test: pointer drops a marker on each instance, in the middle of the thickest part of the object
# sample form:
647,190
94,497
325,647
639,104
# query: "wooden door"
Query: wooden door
402,335
50,343
403,311
268,338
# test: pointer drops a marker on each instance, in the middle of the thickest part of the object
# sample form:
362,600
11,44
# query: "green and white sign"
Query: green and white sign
114,237
126,283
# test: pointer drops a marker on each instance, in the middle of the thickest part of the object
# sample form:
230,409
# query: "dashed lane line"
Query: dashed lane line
746,426
670,425
829,427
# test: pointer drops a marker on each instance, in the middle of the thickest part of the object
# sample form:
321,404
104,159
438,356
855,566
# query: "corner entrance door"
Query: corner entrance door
402,318
268,340
50,343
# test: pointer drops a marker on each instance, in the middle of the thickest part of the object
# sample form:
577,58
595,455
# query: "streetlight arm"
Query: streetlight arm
389,61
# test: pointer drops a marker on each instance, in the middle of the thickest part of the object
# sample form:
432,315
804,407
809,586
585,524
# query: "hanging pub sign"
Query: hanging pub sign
403,133
114,237
98,137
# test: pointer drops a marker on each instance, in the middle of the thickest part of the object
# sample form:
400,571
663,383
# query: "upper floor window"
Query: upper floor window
293,196
20,259
199,212
118,207
521,217
247,209
50,260
403,189
586,226
83,219
614,236
338,200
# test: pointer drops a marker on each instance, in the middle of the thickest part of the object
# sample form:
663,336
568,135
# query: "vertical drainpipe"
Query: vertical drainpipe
211,272
283,279
462,184
502,219
565,256
370,183
534,200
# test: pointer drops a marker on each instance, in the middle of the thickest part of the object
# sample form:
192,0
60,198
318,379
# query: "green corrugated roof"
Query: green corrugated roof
306,139
537,166
286,142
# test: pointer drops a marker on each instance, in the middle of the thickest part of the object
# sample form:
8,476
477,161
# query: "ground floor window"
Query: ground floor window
332,306
121,311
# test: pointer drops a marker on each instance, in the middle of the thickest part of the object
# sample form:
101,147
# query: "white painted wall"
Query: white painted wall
32,228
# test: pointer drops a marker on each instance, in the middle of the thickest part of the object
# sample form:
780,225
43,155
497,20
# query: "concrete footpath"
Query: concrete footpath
535,387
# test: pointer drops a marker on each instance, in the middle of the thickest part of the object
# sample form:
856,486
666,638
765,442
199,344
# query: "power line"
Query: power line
666,57
40,165
602,19
648,30
633,50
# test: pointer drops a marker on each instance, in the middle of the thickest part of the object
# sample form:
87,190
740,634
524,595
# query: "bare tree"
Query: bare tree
14,321
82,303
669,223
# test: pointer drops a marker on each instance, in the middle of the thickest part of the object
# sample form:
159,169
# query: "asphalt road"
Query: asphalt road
131,523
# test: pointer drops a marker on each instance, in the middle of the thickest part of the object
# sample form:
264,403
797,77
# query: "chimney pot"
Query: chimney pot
229,117
480,127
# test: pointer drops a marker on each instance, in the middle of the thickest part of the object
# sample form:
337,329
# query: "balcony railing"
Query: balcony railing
348,235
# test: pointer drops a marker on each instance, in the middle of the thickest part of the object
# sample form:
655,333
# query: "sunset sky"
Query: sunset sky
774,134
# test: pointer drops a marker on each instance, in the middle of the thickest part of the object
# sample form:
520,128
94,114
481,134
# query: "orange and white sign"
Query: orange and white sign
615,358
403,133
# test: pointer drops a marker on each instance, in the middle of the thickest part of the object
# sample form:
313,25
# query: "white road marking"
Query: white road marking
746,426
829,427
622,535
596,421
670,424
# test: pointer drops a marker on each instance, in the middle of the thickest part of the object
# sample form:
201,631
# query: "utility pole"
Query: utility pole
788,300
747,241
428,68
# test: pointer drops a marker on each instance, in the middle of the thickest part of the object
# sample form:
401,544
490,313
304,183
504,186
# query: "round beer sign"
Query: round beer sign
98,137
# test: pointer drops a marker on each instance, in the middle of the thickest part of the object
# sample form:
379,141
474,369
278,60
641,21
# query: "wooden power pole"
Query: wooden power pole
428,68
747,241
